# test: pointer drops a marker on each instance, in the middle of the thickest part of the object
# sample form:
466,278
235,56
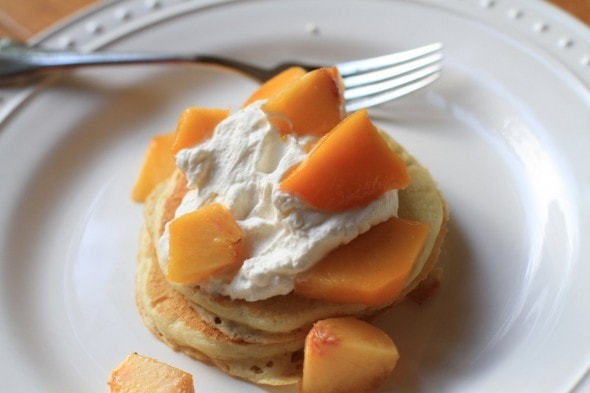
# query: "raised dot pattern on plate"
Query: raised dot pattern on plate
542,29
85,32
140,8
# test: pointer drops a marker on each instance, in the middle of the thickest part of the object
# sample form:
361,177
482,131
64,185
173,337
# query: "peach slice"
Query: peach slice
349,167
346,355
138,373
372,269
276,83
195,125
158,164
202,243
310,105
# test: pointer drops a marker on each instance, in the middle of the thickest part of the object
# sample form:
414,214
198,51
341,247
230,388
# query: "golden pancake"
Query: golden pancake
255,356
262,341
421,201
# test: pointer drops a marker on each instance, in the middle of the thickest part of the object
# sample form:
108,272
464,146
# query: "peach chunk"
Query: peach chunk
138,373
158,164
195,125
276,83
310,105
346,355
349,167
372,269
202,243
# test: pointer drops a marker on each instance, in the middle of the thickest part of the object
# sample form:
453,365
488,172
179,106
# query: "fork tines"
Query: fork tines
380,79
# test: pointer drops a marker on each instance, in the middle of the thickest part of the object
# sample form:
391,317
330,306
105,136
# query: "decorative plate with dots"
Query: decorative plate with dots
505,131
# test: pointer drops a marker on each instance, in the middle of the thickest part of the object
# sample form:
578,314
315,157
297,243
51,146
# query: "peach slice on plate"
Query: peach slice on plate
139,373
372,269
158,164
276,83
347,168
202,243
310,105
195,125
346,355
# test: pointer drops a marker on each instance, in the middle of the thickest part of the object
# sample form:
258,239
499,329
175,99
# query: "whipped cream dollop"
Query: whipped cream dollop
241,167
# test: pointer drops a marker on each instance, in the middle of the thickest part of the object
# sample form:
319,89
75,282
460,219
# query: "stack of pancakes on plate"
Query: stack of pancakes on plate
262,341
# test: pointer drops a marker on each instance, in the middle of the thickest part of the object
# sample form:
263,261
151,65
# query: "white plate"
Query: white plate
506,131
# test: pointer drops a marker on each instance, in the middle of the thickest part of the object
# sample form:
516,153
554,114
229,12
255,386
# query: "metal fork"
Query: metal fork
368,82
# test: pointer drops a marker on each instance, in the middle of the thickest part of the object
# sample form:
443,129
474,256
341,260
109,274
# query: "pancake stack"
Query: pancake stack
262,341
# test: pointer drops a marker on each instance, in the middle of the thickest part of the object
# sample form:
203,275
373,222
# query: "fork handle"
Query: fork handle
19,61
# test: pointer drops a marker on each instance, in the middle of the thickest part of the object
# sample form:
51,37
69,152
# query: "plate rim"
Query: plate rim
101,37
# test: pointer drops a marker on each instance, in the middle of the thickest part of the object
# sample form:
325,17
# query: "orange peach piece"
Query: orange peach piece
276,83
346,355
372,269
349,167
310,105
195,125
158,164
138,373
202,243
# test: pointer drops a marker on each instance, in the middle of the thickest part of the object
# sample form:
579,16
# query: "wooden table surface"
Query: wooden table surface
23,19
